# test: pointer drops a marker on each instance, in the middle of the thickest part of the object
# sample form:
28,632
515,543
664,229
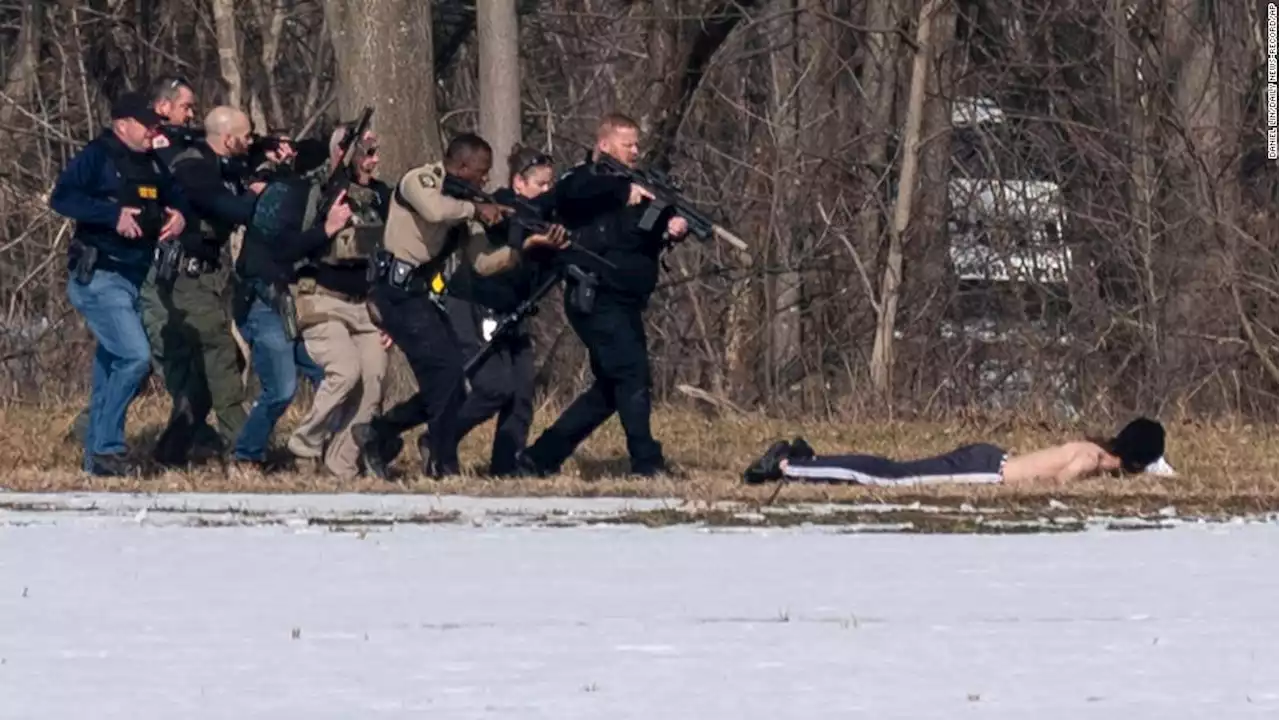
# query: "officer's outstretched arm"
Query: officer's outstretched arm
486,257
77,195
421,190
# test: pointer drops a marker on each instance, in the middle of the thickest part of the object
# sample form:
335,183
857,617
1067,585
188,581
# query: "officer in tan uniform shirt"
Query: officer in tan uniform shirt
424,228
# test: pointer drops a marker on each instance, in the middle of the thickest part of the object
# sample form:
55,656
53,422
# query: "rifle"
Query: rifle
528,307
508,323
340,176
668,194
527,217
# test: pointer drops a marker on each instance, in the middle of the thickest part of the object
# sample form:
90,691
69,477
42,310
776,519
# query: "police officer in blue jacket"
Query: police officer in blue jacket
123,201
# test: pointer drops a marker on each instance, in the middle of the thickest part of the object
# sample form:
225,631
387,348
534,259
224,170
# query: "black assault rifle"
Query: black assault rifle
525,219
340,176
567,263
510,322
667,194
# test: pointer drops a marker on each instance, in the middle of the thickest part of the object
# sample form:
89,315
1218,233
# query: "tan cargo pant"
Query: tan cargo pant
342,339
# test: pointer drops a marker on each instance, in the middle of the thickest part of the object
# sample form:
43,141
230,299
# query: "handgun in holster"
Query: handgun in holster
85,262
379,267
169,256
582,289
281,300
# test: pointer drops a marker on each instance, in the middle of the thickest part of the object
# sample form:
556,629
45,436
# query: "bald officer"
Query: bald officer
185,302
425,226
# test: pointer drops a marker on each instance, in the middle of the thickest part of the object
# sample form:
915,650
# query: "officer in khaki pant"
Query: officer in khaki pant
334,322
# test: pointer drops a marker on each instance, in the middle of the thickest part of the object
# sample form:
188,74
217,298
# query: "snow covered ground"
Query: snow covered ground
107,611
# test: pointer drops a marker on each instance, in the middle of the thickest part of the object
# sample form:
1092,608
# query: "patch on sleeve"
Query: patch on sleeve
159,142
427,180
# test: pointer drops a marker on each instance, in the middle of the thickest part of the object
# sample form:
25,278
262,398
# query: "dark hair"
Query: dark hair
1137,445
523,159
166,88
463,147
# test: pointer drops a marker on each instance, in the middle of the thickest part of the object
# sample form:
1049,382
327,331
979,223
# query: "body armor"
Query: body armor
358,242
139,187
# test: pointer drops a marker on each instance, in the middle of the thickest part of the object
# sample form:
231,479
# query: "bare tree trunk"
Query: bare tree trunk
879,82
786,74
224,21
383,50
927,291
271,15
498,33
882,351
22,68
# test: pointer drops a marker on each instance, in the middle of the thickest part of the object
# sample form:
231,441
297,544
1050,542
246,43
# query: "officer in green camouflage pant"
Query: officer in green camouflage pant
188,326
186,308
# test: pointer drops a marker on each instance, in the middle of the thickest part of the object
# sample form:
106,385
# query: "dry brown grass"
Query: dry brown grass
1224,468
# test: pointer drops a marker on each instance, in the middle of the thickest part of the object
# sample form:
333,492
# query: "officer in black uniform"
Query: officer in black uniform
123,202
603,212
503,382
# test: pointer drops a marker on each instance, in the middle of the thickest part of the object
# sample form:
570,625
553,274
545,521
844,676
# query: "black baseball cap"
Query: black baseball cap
137,106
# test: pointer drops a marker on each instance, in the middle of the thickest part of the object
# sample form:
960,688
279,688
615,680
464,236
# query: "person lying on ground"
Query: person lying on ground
1132,450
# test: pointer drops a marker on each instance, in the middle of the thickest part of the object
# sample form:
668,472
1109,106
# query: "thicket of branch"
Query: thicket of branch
787,120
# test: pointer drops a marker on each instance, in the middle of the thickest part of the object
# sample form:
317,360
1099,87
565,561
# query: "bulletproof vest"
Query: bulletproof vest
358,242
140,180
202,225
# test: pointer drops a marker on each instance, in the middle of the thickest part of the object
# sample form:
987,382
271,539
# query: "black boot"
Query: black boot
800,450
376,447
110,466
768,466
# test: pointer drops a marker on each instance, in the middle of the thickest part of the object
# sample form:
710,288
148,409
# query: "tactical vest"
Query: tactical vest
140,181
206,230
358,242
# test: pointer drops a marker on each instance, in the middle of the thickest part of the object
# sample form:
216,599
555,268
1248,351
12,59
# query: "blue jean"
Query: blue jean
275,362
110,307
308,367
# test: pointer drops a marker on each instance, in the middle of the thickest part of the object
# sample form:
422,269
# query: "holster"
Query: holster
582,289
387,269
281,300
86,260
169,256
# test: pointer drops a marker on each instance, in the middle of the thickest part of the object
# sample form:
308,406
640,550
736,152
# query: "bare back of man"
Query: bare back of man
1063,463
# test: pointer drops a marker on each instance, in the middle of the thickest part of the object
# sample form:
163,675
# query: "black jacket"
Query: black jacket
593,207
218,200
503,292
275,240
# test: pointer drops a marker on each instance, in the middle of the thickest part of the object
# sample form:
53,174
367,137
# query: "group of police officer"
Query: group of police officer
183,238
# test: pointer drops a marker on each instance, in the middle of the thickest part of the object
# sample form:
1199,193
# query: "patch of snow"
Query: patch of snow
103,617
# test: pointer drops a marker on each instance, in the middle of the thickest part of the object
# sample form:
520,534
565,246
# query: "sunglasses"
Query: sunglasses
536,161
177,82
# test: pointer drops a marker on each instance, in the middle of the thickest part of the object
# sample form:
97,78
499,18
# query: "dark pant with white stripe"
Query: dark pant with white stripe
978,463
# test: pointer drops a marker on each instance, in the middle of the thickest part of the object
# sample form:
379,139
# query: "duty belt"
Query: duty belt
387,269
